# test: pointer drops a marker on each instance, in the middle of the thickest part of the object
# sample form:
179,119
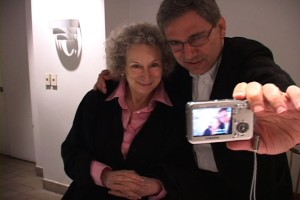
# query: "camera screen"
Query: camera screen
212,121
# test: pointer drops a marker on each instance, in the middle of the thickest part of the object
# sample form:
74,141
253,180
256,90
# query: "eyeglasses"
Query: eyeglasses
194,41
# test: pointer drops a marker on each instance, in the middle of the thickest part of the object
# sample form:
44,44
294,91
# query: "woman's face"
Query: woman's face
215,123
144,69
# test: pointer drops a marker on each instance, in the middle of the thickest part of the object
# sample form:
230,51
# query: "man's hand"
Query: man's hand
277,117
100,84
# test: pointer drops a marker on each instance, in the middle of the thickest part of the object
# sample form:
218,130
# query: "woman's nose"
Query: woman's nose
146,74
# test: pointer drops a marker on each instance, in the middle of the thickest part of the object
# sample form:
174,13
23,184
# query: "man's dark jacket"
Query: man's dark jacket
243,60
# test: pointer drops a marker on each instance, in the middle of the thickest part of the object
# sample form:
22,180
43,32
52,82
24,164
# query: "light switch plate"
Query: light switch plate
47,79
54,79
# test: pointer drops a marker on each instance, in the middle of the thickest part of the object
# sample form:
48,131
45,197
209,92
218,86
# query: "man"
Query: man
225,120
211,66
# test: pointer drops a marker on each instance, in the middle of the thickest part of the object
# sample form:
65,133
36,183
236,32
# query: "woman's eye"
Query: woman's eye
135,66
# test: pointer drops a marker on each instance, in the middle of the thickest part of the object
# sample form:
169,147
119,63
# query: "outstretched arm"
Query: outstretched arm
277,117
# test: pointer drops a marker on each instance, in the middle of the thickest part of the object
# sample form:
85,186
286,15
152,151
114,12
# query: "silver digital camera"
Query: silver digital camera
219,121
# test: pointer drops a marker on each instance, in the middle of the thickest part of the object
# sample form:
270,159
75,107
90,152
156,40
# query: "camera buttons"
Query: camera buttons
242,127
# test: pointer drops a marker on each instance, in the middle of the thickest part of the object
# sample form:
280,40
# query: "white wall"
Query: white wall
16,137
54,108
120,12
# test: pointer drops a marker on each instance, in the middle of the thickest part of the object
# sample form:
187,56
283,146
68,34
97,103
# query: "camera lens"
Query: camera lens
242,127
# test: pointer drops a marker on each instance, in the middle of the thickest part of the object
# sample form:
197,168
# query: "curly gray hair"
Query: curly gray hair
120,40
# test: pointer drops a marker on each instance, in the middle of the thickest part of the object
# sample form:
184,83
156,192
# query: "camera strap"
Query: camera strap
254,176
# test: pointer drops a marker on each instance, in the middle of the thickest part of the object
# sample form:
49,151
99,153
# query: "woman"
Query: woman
121,143
213,128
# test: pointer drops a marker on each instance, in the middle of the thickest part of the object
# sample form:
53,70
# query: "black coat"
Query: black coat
243,60
97,134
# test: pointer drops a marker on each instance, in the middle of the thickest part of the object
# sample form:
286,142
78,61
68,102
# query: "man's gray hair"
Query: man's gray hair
172,9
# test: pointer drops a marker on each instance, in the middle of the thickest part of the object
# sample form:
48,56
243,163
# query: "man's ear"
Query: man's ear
222,27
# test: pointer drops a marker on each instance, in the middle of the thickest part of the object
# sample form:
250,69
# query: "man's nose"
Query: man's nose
188,51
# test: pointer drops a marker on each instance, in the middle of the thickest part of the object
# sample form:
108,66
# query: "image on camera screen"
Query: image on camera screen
212,121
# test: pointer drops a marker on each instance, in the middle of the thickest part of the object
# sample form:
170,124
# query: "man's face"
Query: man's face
223,116
200,59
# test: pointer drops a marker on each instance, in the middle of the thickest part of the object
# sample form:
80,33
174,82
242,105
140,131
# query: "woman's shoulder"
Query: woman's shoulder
94,98
94,94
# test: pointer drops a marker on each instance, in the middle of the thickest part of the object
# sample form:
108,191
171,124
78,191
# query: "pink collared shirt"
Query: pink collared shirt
131,126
